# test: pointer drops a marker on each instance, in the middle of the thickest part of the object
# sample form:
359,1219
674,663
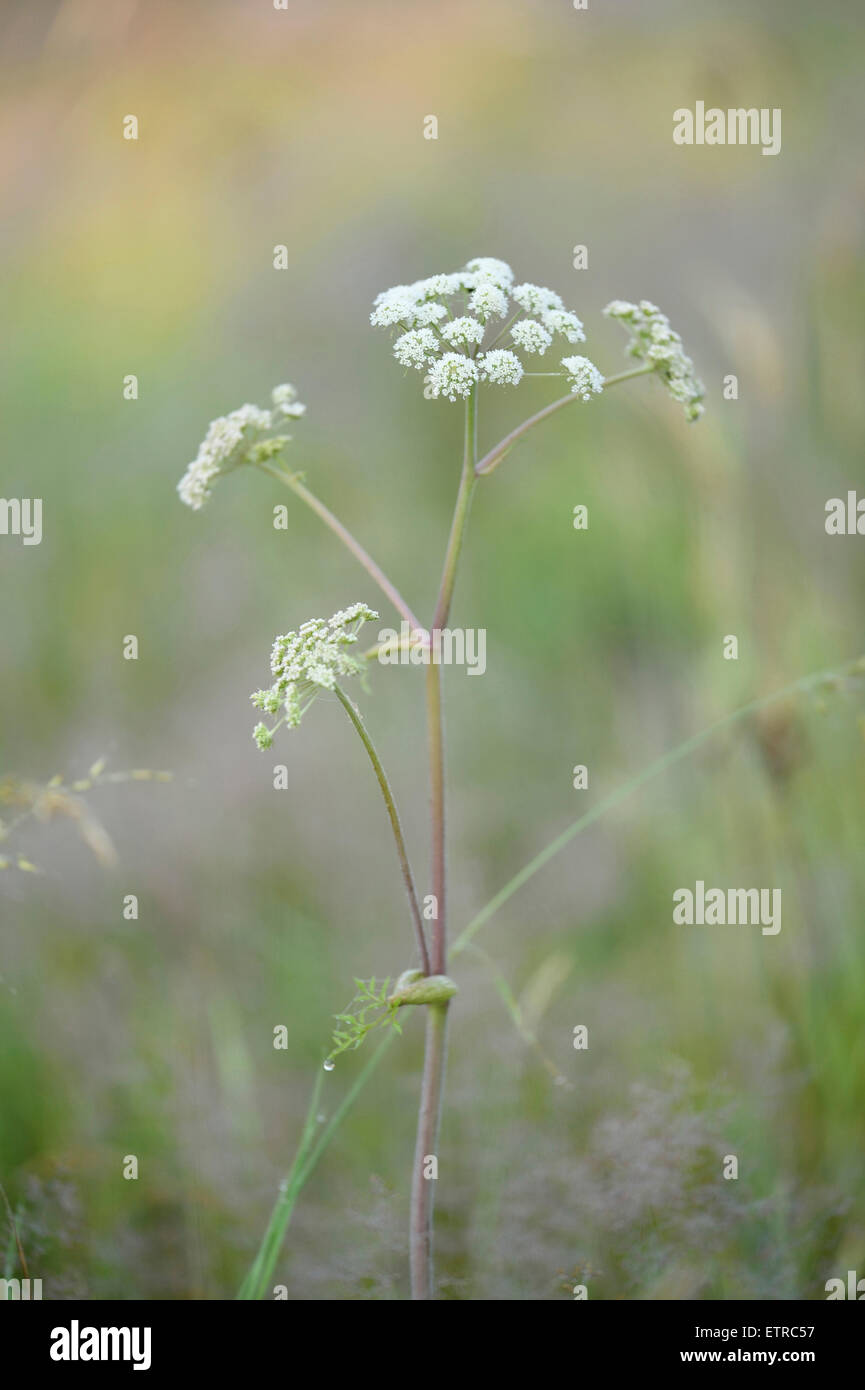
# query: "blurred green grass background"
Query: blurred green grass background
258,907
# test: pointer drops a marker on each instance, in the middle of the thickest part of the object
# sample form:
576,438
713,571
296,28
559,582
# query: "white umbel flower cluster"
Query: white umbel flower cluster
488,301
304,662
502,367
584,377
653,340
531,336
236,439
447,319
453,375
416,348
463,332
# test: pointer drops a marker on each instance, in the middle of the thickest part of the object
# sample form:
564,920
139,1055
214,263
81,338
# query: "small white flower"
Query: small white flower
501,367
535,299
285,401
225,447
453,375
488,268
393,306
463,332
429,312
416,348
309,660
531,336
440,286
488,301
621,309
560,321
584,376
653,340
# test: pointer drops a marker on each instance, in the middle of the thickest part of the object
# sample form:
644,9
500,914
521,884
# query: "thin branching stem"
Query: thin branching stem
326,515
503,330
435,736
354,715
426,1145
429,1114
435,719
492,459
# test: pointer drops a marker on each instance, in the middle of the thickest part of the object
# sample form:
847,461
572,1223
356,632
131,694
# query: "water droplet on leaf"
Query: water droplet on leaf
329,1064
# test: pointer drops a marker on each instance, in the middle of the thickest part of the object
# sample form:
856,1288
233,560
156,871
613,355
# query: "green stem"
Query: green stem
429,1117
468,482
354,715
492,459
435,733
503,330
421,1233
373,570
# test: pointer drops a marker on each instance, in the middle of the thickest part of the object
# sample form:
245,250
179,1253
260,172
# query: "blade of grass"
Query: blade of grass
512,1005
257,1281
621,794
265,1259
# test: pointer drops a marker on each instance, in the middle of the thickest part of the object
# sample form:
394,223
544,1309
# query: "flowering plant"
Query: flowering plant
463,331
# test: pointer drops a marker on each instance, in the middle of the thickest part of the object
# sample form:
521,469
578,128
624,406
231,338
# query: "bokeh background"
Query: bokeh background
258,907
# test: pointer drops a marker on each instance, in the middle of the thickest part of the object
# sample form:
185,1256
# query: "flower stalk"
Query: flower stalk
435,1047
292,480
354,715
426,1145
492,459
